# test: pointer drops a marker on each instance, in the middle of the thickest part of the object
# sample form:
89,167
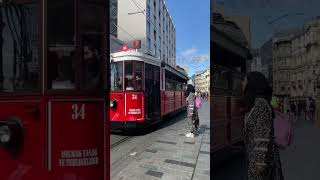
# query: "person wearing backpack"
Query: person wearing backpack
192,111
262,151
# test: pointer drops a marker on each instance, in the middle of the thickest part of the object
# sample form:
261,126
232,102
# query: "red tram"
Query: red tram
52,104
229,50
143,90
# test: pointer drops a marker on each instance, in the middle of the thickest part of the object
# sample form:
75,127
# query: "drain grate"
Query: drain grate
181,163
204,152
151,151
167,142
154,173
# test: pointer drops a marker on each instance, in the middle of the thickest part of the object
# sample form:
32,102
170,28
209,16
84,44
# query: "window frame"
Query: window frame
39,90
79,90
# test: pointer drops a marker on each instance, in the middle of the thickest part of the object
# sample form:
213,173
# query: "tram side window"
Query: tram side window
138,75
61,44
116,76
19,60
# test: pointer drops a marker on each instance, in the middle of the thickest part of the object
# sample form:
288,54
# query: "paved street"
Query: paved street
164,153
300,161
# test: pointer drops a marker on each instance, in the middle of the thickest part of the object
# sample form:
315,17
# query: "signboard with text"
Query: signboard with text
77,139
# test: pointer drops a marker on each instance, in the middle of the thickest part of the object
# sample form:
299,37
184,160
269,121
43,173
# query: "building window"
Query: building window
155,19
148,28
149,44
155,50
148,11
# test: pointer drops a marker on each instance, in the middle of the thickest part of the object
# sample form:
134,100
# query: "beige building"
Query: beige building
202,81
296,61
150,22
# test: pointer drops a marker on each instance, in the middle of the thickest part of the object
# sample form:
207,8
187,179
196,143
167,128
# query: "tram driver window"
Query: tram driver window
61,44
133,76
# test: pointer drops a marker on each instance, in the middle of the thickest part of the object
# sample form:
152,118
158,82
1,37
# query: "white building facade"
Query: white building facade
296,62
202,81
150,22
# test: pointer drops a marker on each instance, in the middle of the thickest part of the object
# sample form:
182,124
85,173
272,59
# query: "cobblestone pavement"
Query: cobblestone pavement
300,161
169,155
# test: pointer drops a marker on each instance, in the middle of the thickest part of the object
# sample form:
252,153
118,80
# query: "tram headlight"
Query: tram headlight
11,134
4,134
113,104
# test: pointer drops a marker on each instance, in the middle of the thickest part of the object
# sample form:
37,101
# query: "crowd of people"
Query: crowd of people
297,108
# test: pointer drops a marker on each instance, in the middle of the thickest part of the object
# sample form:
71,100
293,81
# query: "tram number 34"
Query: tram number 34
134,96
78,112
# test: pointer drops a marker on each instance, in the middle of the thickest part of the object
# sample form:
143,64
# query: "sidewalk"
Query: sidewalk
301,159
173,156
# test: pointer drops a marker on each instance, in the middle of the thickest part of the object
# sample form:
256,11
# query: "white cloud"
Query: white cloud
189,52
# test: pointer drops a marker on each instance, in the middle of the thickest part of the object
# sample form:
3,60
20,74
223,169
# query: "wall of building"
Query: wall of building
154,27
296,62
115,44
132,21
202,81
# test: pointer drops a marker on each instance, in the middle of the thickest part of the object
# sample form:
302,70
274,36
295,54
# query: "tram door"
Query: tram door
152,93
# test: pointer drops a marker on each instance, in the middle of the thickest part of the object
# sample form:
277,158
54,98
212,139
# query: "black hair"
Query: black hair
257,87
190,88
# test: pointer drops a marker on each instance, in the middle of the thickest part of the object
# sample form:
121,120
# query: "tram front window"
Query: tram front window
91,30
133,76
19,58
75,59
61,44
116,76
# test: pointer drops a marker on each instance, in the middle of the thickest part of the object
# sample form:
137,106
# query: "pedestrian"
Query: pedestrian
192,111
286,105
307,113
296,109
293,109
312,109
262,151
317,111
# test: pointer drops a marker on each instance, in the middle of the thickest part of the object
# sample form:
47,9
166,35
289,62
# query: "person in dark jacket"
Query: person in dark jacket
192,117
262,151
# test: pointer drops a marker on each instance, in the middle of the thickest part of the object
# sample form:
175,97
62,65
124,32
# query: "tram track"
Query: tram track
120,141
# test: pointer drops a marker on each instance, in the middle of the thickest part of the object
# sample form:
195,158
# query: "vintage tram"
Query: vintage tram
52,90
229,55
144,90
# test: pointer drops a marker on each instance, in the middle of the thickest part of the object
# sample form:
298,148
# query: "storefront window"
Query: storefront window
19,57
116,76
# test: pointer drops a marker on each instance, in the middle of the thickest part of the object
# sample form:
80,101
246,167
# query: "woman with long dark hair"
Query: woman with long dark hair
193,119
262,151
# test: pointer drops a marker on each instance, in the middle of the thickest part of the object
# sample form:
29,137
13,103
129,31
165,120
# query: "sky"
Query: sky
192,22
262,11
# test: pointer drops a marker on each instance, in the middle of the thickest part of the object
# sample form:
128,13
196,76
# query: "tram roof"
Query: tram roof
136,55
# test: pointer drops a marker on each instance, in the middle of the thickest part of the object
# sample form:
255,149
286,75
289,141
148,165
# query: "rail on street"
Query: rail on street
164,153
